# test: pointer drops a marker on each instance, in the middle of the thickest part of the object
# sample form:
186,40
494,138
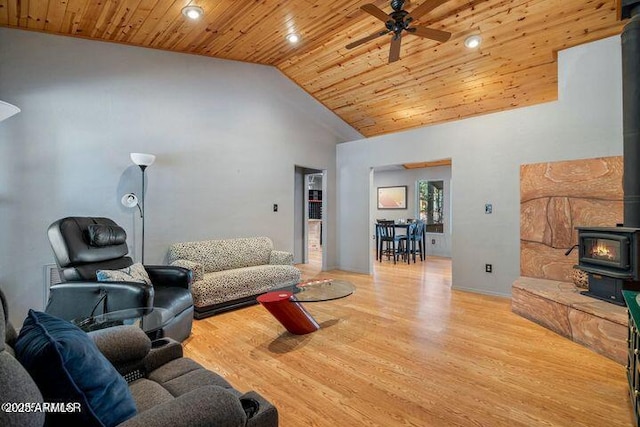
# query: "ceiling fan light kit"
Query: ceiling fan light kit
400,21
192,11
473,42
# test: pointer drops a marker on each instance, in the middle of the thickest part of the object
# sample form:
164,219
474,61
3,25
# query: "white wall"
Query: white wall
487,152
226,134
438,244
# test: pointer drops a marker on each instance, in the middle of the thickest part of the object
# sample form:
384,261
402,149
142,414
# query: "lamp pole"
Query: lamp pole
142,160
142,168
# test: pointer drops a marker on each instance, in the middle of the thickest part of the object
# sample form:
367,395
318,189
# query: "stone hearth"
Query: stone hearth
557,197
597,325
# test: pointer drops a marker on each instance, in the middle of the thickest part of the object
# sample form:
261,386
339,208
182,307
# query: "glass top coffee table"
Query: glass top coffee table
323,290
286,308
150,319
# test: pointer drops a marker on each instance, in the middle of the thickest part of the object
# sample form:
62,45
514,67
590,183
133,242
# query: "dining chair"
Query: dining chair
389,244
407,243
416,239
378,222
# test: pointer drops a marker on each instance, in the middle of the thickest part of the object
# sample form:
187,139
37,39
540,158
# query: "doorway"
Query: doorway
309,221
314,218
428,191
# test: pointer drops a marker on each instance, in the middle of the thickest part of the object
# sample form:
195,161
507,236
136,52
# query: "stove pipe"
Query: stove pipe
631,111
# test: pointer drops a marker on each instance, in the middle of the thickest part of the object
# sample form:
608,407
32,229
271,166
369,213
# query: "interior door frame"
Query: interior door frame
306,171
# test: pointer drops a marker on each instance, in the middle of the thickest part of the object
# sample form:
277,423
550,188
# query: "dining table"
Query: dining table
402,225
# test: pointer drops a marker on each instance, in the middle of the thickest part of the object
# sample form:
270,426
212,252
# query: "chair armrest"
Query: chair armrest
281,258
75,300
163,351
128,348
205,406
122,345
196,268
166,275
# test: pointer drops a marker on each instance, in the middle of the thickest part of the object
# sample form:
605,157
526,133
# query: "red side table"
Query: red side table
290,313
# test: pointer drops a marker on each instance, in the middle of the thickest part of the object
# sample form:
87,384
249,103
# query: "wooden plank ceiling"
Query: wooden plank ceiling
431,83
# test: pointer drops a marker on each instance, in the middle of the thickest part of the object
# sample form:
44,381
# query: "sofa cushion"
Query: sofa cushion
173,369
225,254
196,379
229,285
68,367
183,375
148,394
133,273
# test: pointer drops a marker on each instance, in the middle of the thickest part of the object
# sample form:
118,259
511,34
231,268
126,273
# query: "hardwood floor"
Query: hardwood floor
406,350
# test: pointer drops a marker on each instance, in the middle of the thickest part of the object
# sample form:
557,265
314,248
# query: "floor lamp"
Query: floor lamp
130,200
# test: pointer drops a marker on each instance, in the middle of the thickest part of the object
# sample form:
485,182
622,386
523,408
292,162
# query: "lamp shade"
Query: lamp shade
7,110
142,159
129,200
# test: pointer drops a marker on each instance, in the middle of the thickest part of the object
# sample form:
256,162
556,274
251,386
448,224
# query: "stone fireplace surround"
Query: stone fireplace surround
555,198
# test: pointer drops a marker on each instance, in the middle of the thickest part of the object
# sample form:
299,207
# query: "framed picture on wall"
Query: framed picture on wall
392,197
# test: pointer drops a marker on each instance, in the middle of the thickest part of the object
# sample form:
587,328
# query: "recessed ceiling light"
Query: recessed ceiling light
473,42
293,38
192,12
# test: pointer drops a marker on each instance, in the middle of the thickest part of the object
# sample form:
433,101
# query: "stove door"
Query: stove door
605,250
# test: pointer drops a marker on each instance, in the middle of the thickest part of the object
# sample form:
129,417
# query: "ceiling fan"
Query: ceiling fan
399,21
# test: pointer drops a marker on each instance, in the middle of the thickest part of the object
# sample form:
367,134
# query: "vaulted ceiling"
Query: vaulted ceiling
431,83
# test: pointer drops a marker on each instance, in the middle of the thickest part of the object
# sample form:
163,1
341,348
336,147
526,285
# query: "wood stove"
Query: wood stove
611,256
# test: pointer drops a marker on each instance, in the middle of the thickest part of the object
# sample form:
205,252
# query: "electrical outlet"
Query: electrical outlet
433,241
488,268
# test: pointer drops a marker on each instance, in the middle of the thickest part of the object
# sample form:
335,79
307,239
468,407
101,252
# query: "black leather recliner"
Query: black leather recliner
83,245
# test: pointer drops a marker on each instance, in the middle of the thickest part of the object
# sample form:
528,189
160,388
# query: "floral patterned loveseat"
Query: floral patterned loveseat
231,273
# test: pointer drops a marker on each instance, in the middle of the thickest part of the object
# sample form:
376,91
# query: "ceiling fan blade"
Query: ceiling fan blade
426,7
374,10
394,51
366,39
430,33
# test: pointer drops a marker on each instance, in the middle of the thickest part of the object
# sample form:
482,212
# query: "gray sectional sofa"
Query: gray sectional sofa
55,362
231,273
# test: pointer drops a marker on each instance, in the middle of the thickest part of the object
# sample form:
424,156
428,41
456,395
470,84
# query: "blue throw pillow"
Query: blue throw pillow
68,368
